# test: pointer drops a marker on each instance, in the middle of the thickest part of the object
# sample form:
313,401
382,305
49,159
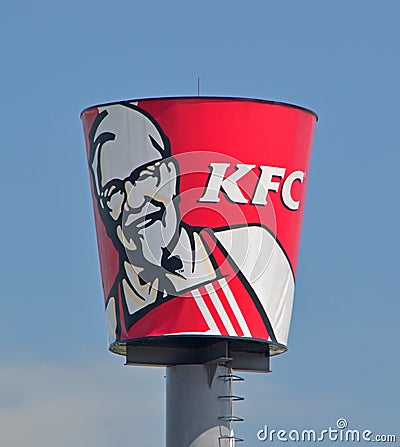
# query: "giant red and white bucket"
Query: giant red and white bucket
198,208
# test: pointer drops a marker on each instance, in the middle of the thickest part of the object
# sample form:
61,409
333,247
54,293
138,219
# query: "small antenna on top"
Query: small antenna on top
198,86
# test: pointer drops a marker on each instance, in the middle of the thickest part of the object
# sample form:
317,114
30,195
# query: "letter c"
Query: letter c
287,190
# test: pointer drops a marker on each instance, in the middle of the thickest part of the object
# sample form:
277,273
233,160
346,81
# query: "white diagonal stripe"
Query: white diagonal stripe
232,302
220,309
205,312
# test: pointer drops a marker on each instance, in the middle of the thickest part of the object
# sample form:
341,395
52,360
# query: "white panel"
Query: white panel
265,266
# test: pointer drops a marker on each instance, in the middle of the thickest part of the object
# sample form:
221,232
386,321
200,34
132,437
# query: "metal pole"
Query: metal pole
197,407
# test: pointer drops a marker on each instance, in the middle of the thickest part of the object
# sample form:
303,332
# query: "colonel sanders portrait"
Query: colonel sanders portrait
174,278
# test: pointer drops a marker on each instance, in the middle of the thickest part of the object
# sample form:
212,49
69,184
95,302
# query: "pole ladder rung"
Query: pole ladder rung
232,397
231,418
231,378
233,438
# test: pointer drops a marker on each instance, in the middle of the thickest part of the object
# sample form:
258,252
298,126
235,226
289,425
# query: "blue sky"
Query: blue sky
57,380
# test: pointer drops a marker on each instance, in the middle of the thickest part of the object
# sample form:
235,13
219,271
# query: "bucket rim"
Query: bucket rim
218,98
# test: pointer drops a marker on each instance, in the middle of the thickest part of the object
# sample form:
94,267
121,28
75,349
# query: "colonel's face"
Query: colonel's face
145,211
135,182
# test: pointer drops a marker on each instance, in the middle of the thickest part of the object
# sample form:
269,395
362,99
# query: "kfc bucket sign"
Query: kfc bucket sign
198,208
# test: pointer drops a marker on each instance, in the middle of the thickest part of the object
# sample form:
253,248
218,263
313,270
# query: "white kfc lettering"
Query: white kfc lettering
268,181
